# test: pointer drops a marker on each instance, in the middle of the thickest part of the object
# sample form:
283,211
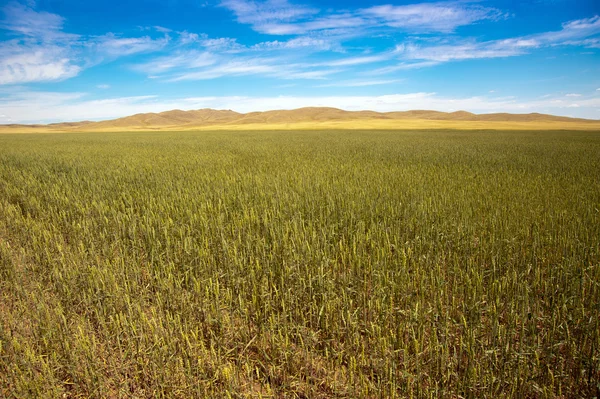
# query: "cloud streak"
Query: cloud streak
418,55
279,17
24,20
360,83
278,68
259,13
432,17
112,45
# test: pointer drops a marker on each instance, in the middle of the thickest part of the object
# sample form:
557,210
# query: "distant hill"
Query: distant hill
311,117
170,118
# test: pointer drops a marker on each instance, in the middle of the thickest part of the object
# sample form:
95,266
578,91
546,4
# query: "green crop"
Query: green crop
313,264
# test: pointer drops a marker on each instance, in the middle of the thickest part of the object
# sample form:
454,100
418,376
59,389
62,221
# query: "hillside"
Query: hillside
314,117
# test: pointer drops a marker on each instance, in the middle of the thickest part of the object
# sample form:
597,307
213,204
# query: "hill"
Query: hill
315,118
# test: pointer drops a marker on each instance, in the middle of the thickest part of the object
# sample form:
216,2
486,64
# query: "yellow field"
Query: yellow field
320,125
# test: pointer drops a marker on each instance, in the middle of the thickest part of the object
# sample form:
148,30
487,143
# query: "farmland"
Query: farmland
309,264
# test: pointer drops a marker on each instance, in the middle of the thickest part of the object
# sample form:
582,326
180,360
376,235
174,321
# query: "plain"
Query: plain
310,264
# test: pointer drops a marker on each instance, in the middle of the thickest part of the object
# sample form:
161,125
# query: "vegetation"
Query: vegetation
315,264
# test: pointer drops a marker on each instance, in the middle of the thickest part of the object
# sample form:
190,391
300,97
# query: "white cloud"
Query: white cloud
278,17
229,68
187,65
41,51
121,46
431,17
402,67
186,37
465,49
162,29
263,13
24,20
34,63
103,86
314,74
360,83
73,106
357,60
221,44
427,17
572,30
178,60
343,24
313,44
276,67
572,95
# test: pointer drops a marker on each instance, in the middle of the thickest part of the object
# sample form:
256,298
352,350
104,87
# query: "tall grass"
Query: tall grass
329,264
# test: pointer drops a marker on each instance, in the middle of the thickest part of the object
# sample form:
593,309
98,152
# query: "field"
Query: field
300,264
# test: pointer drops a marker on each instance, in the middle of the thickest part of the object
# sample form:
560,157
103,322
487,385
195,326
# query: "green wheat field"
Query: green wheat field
300,264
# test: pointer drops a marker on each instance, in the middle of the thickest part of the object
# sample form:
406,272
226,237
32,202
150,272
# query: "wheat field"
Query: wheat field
300,264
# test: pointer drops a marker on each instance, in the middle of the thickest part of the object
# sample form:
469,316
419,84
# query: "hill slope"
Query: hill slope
315,117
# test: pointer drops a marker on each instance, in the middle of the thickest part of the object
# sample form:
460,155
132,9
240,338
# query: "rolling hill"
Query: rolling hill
314,117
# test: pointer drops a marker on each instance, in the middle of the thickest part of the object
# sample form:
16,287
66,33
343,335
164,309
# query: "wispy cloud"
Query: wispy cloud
186,65
403,66
360,83
275,67
113,45
230,68
178,60
418,55
221,44
465,50
314,44
278,17
262,14
408,56
360,60
587,43
572,30
432,17
22,19
282,17
343,25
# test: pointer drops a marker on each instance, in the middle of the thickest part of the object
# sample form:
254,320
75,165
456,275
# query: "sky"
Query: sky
71,60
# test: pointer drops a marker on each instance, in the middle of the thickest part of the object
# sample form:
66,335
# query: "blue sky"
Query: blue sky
74,60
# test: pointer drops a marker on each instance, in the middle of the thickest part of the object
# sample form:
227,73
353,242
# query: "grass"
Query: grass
312,264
